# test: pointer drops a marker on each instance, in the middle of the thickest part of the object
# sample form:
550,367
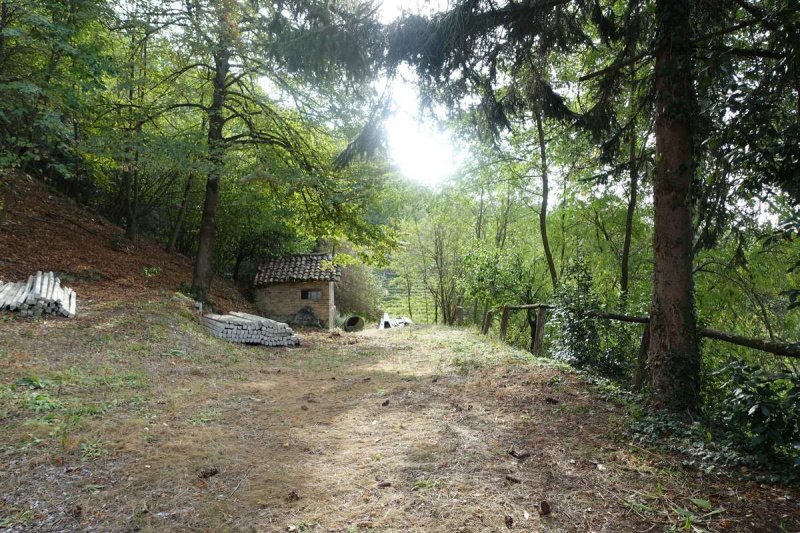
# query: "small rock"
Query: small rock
544,508
206,473
518,455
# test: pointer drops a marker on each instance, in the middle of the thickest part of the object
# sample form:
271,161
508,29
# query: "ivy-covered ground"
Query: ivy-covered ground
130,417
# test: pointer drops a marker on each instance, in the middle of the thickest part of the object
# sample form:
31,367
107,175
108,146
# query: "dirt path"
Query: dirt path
153,426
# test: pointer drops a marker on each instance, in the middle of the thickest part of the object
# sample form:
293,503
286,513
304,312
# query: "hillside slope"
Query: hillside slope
43,230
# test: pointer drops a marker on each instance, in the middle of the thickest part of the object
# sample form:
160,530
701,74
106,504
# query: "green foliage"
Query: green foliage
33,382
581,340
764,406
359,292
42,402
705,447
110,102
92,449
151,271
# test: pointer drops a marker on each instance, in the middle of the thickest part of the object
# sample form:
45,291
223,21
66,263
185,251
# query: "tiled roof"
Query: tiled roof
306,267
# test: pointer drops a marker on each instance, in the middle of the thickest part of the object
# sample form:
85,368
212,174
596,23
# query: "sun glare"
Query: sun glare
417,146
421,151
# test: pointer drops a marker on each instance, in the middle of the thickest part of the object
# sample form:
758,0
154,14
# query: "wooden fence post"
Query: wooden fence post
504,323
487,322
541,314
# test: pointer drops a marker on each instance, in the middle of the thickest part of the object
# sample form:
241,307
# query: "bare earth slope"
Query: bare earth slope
43,230
134,419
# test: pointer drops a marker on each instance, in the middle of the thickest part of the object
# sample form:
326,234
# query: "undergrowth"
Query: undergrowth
703,444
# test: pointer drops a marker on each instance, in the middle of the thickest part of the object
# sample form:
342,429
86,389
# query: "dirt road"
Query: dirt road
132,419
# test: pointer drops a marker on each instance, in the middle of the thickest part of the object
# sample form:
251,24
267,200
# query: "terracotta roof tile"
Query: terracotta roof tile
305,267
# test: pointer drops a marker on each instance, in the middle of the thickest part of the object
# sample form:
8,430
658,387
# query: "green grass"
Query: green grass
205,417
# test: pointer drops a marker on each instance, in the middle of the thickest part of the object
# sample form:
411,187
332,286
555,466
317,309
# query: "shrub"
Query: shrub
586,342
763,409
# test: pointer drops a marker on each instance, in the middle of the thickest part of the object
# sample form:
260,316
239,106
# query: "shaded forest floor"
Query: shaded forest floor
41,229
131,418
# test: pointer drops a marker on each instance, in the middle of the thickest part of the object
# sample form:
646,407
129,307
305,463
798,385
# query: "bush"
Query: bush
763,410
585,342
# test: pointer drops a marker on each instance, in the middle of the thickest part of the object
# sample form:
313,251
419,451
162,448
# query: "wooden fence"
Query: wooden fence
777,348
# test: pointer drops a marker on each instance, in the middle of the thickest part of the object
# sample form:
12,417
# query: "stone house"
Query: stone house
298,289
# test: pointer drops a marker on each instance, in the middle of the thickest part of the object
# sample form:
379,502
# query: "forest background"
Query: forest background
229,131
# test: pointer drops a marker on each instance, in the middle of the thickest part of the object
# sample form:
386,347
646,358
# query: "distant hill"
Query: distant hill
41,229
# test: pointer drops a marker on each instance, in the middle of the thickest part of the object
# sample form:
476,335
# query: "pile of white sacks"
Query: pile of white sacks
42,293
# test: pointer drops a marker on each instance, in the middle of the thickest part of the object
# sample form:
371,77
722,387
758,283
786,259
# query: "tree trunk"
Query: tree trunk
408,297
479,222
203,266
237,264
626,245
673,355
132,227
4,22
176,230
640,370
532,324
543,210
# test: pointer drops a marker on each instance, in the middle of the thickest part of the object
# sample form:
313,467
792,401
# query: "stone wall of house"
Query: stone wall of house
281,301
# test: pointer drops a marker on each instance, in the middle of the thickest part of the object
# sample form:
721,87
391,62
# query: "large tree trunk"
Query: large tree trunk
626,245
545,195
673,356
204,265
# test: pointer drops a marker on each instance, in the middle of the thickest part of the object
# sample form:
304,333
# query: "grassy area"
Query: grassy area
131,417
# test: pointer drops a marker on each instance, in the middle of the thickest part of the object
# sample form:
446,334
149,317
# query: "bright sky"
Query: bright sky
420,149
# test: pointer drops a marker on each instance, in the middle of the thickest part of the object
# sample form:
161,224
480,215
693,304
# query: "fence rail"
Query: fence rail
776,348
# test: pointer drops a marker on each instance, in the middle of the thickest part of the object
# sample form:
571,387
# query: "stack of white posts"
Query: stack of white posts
394,322
42,293
250,329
